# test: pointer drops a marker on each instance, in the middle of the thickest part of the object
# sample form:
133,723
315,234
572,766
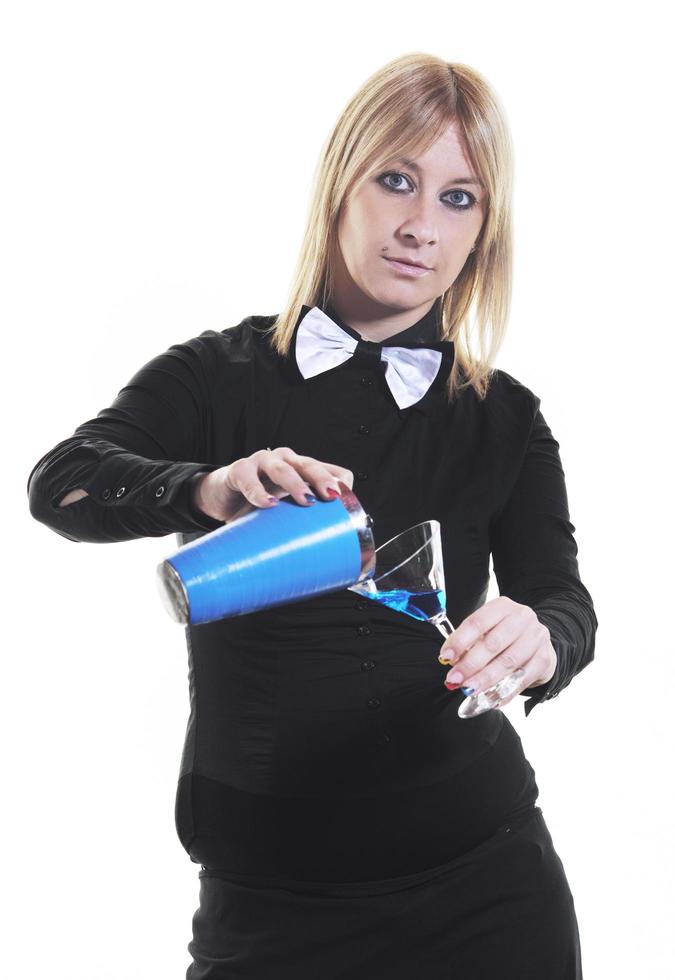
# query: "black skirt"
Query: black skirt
501,909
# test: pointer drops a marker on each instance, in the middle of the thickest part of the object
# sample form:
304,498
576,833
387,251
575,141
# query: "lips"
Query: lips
396,258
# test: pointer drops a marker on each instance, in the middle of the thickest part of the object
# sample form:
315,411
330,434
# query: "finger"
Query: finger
290,475
473,627
342,473
277,469
325,477
319,476
265,464
500,638
500,694
242,477
519,654
322,475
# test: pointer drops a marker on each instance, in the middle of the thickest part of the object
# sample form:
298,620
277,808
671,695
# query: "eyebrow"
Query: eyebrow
457,180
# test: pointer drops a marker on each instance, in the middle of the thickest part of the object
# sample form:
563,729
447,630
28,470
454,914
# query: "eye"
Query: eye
463,207
457,206
384,177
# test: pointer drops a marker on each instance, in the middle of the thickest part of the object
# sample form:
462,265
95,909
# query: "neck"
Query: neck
376,323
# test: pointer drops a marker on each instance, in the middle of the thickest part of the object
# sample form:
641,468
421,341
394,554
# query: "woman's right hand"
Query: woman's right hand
223,492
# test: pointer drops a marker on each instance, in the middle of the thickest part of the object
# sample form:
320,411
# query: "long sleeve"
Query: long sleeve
137,460
535,559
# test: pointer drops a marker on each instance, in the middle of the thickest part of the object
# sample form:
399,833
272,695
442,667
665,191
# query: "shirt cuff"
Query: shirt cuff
184,500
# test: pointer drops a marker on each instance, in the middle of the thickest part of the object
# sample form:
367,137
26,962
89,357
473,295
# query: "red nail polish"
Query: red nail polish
451,687
331,492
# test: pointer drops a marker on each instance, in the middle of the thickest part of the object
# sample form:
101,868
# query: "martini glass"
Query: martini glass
408,577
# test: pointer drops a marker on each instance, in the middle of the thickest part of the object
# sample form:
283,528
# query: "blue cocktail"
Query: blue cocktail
408,577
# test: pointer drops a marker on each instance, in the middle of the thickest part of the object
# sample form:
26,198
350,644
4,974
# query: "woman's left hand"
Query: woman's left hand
495,640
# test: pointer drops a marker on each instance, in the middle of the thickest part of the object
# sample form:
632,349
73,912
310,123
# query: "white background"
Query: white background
157,161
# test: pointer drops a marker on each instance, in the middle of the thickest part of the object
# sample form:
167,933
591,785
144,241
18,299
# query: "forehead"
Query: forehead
444,159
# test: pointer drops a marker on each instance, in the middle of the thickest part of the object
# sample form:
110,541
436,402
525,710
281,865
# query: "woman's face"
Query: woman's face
431,215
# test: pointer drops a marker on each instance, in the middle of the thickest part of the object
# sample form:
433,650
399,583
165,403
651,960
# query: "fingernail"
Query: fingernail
451,687
310,498
469,690
455,677
272,500
332,493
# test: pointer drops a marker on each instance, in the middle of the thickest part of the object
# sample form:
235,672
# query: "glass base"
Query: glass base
476,704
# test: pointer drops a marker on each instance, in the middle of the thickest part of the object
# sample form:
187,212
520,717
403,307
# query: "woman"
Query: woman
347,822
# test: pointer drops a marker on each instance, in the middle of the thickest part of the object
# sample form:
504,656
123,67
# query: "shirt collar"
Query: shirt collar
426,329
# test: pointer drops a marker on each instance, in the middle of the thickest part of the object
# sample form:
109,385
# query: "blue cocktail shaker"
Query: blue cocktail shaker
269,556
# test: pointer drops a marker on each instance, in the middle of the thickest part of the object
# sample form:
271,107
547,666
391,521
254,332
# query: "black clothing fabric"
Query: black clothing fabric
320,734
332,835
501,909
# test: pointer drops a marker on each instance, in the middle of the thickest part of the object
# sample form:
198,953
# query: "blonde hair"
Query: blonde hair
402,109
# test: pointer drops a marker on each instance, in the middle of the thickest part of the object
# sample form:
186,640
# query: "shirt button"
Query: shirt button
364,630
361,476
373,702
159,491
383,739
120,492
366,381
364,430
106,494
368,665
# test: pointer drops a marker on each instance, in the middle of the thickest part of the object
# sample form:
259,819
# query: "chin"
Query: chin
407,298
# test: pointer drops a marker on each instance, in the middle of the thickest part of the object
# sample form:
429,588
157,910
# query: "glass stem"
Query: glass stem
444,626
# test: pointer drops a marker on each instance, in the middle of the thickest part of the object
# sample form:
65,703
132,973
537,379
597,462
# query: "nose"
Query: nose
420,222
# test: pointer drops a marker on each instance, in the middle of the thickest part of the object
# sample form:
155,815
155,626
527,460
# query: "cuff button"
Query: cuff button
105,494
159,491
120,491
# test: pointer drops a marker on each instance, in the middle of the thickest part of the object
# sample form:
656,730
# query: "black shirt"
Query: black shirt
322,743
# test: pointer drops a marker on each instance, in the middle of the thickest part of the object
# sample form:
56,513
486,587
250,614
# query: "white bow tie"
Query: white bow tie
321,344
